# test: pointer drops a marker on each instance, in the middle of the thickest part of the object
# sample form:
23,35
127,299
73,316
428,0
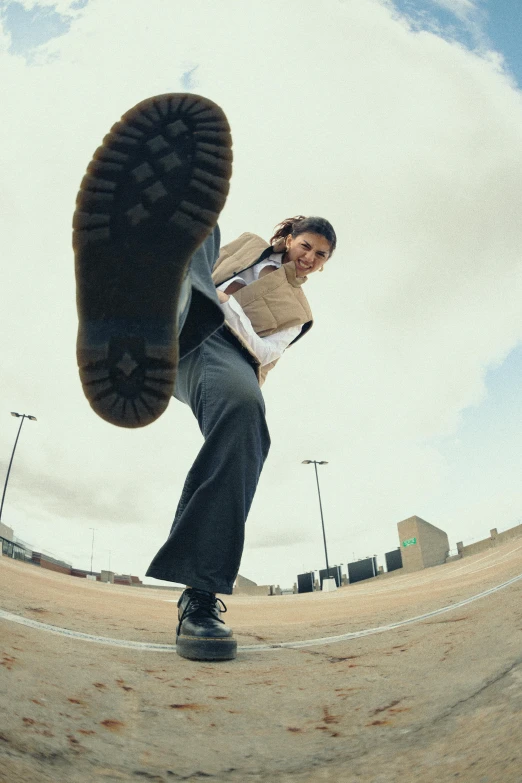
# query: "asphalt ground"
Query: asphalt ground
415,677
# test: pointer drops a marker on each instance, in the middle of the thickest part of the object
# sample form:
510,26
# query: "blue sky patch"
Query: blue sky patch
30,29
494,24
187,78
428,15
504,30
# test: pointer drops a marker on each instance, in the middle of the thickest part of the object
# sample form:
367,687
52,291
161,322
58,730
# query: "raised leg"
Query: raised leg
151,195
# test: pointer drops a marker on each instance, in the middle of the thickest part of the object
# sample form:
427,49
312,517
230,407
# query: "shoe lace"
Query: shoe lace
201,600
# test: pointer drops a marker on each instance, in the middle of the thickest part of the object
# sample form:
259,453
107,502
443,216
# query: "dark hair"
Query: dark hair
301,224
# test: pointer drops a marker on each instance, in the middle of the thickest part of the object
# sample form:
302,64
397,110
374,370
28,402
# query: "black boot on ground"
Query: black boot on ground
152,194
201,635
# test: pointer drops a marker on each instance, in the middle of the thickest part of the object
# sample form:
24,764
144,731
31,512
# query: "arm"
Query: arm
267,349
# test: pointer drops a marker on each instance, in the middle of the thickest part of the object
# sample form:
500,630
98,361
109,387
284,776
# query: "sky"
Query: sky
400,122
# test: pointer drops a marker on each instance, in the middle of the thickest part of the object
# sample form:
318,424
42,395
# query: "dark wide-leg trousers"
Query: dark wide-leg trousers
217,379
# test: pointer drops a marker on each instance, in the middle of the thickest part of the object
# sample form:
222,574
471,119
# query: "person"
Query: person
163,310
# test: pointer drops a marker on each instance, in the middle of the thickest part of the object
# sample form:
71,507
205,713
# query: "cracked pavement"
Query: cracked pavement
437,700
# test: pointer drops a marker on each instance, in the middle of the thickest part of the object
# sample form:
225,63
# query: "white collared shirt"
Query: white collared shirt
267,349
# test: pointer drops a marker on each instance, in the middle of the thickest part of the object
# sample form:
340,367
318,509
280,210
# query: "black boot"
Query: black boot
201,635
151,196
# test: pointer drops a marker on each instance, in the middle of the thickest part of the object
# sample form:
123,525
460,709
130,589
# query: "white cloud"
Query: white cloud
409,144
461,8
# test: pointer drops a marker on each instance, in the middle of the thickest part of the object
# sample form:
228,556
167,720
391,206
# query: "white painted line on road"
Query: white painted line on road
149,647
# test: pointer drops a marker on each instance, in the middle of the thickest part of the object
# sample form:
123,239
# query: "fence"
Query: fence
14,549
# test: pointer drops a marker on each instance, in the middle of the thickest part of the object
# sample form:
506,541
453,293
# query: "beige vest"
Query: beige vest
274,302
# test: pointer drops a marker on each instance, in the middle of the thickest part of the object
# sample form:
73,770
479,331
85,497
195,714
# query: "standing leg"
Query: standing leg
206,539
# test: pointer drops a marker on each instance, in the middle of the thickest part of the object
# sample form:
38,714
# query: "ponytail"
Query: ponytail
284,229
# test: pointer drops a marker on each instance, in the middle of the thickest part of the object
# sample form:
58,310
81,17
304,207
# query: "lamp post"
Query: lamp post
315,463
92,545
19,416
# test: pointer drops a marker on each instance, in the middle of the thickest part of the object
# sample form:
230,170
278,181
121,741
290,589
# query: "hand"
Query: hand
222,296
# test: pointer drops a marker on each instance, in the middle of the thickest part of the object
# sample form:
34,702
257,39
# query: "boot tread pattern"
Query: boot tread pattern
151,178
151,194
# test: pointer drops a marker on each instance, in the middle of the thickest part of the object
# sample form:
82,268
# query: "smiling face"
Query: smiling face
308,251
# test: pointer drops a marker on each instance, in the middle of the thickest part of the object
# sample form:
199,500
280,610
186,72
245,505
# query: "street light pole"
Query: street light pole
315,463
92,545
20,416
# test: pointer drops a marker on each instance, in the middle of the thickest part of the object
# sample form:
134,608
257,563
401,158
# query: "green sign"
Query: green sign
409,542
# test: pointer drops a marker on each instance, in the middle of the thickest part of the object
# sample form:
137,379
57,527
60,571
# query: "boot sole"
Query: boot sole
151,195
206,649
